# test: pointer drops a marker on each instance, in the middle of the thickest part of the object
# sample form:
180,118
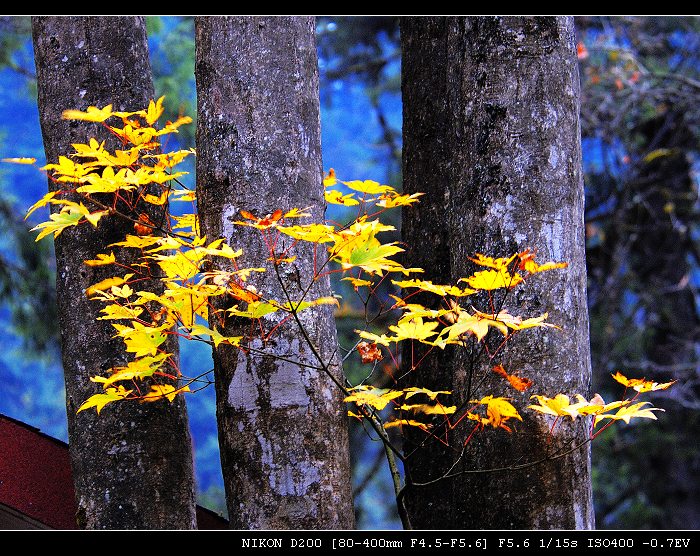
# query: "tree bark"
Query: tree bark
491,133
132,465
282,427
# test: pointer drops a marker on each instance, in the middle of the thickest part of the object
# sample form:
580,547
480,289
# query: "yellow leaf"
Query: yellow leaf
413,390
357,282
314,233
134,370
156,200
297,213
92,114
641,384
21,160
116,311
141,339
69,216
628,412
368,186
160,391
102,259
107,283
375,397
396,200
492,279
335,197
498,411
217,337
414,329
430,409
330,179
45,200
428,286
154,111
406,422
98,401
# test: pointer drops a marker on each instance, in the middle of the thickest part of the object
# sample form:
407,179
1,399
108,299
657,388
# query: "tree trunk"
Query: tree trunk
132,465
491,133
282,427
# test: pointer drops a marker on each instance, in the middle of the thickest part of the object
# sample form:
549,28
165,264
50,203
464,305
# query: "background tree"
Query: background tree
491,133
282,428
133,467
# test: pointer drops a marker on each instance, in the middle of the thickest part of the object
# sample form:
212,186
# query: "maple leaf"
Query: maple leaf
561,406
107,283
335,197
413,390
102,259
369,352
357,282
70,215
374,338
67,169
368,186
514,322
45,200
330,179
397,200
98,401
632,411
20,160
216,337
375,397
183,195
500,263
172,127
492,279
154,111
134,370
160,391
92,114
141,339
529,265
406,422
428,286
413,328
430,409
116,311
498,411
269,221
641,384
314,233
467,324
519,383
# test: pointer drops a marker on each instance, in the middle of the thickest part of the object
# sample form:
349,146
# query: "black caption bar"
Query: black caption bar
312,542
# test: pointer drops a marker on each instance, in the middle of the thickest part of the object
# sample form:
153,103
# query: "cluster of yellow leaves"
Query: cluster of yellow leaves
379,398
620,410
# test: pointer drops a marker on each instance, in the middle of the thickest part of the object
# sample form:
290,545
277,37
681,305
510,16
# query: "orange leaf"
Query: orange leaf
519,383
369,352
581,51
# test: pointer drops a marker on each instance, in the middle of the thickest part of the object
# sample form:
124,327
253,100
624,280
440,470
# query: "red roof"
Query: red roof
36,478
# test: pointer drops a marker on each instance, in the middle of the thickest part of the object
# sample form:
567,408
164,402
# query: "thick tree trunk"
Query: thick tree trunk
132,465
491,133
282,427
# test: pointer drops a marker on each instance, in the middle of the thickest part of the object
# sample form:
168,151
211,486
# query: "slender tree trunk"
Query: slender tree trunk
132,465
282,427
491,133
